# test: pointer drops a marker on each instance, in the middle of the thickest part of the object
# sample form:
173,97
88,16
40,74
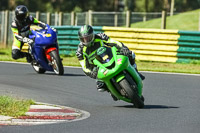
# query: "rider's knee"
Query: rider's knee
132,58
16,54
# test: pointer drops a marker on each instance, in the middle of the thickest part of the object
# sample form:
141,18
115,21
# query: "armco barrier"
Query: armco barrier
148,44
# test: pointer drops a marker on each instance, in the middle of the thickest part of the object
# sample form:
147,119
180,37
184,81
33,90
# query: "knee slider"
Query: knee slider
16,54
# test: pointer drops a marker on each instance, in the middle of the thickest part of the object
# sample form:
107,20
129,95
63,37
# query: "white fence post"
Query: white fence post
6,20
73,18
172,8
86,17
37,15
163,22
2,25
56,19
145,17
49,18
128,18
116,19
60,18
90,17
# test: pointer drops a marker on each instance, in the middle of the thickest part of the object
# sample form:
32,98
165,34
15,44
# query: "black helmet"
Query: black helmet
21,13
86,35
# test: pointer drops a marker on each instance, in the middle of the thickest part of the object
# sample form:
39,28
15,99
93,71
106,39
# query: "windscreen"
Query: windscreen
104,54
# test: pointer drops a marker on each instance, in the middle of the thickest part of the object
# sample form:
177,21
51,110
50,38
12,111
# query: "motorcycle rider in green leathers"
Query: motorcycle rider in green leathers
89,43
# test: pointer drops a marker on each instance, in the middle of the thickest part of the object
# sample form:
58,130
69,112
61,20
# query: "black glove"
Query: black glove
42,25
94,73
125,51
103,36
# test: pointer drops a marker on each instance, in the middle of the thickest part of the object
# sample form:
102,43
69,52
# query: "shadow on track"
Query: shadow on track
73,74
159,107
150,106
63,74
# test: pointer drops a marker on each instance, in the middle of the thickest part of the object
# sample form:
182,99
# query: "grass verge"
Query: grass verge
193,68
14,107
183,21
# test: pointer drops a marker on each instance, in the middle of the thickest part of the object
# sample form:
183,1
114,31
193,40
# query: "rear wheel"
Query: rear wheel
56,63
130,92
37,68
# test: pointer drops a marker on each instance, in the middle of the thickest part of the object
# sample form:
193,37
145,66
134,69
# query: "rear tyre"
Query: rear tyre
130,92
56,63
37,68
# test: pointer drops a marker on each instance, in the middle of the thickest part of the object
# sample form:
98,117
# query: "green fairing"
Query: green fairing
124,65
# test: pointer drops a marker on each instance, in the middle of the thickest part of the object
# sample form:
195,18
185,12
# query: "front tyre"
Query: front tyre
56,63
130,93
37,68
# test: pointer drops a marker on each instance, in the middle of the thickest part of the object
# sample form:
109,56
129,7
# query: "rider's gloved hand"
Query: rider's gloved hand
54,29
94,73
103,36
28,40
125,51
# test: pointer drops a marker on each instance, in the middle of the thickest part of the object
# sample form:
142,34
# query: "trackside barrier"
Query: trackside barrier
159,45
68,38
148,44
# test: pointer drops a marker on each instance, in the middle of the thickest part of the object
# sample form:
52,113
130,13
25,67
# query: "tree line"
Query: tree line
101,5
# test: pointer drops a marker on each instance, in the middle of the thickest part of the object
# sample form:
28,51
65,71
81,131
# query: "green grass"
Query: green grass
183,21
193,67
14,107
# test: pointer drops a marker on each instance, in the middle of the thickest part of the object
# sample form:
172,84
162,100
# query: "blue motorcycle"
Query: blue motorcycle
45,51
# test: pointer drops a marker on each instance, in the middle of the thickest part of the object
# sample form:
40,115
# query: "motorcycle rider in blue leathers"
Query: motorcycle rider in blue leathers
21,29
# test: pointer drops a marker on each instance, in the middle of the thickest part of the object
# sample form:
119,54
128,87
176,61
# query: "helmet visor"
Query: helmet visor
87,39
21,17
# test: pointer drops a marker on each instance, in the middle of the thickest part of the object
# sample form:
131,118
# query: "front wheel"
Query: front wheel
56,63
130,93
37,68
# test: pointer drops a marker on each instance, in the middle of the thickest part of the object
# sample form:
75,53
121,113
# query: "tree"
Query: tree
146,5
129,5
100,5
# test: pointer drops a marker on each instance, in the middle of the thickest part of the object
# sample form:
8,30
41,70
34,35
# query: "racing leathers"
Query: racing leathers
86,55
20,34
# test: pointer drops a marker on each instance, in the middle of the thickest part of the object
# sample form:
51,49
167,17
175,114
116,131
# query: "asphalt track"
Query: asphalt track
172,102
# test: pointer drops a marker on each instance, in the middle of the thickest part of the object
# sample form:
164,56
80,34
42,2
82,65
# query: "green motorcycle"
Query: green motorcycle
119,75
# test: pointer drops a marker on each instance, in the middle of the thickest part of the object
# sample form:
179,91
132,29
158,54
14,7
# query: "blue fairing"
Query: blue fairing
43,38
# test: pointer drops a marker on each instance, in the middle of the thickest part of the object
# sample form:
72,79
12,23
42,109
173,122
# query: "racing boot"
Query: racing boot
29,58
101,86
114,98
